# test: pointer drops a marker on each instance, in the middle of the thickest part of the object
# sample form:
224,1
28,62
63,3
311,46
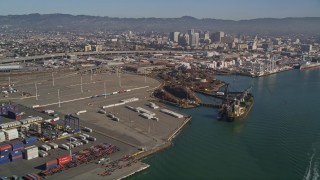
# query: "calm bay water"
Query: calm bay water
280,139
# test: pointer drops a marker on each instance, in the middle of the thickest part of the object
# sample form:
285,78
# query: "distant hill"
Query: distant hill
65,22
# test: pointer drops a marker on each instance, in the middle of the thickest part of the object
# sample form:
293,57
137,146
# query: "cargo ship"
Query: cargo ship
310,65
237,107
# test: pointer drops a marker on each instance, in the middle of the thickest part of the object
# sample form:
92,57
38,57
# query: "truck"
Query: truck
87,129
45,147
43,153
64,146
92,138
53,145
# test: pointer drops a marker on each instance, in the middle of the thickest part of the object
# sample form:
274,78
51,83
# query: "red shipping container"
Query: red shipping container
5,147
64,159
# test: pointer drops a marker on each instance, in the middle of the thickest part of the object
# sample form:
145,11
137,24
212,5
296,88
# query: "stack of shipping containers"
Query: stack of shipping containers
2,137
5,150
17,148
31,152
11,134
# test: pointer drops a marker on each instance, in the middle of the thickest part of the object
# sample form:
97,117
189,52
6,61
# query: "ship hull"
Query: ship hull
304,67
225,117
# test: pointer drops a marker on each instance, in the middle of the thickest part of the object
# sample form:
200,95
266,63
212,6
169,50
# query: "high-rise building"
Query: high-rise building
191,31
174,36
206,35
184,39
217,37
196,40
193,38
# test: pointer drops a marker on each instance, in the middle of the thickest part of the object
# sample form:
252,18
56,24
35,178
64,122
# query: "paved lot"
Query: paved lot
130,133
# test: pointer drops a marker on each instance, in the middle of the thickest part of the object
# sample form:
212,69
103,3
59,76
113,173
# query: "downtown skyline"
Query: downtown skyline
230,9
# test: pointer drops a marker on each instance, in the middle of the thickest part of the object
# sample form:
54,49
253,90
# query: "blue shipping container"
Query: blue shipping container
30,140
16,144
4,161
4,157
5,152
15,153
18,149
51,166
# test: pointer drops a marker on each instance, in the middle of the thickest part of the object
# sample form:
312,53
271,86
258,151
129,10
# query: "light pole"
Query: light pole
35,84
81,85
105,90
52,79
59,97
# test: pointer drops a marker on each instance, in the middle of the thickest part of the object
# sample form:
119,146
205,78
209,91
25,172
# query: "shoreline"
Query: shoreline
166,145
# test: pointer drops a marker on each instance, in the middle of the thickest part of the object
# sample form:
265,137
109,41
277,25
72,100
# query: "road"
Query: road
57,55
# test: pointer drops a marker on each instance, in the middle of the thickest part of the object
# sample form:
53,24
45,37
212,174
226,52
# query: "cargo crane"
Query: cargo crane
76,123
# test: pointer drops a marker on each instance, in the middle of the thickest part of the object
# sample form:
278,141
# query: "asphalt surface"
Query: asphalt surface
129,134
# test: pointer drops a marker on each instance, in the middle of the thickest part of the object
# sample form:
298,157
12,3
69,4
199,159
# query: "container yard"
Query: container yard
74,114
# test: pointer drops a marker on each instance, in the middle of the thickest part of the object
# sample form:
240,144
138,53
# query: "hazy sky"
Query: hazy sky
220,9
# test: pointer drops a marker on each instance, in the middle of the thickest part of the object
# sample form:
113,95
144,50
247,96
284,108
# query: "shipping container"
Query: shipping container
92,138
70,145
75,144
45,147
15,153
102,111
5,149
11,134
64,159
4,161
51,164
31,152
30,140
5,156
147,116
84,141
43,153
53,145
16,158
171,113
142,110
86,135
16,144
2,137
87,129
81,137
155,118
65,147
